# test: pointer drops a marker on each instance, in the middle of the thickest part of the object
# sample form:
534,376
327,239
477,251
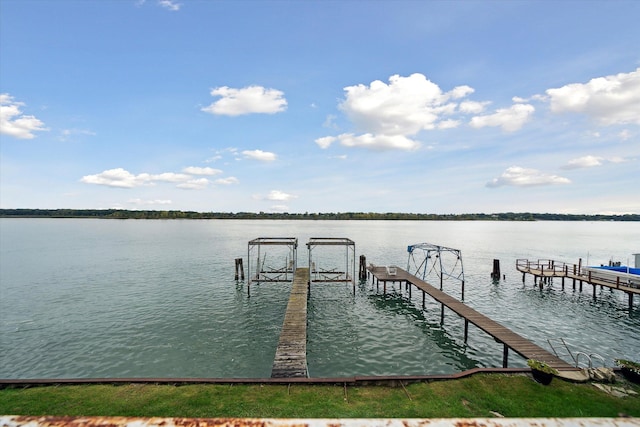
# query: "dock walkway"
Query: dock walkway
508,338
291,355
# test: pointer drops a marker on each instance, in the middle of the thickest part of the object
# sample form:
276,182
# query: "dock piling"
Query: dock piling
239,269
495,274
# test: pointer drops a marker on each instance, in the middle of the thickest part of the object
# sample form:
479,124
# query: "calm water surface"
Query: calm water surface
83,298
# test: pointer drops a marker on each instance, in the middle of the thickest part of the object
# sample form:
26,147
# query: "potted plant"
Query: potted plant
630,370
541,372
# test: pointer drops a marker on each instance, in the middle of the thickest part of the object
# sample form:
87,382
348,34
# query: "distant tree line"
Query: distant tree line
151,214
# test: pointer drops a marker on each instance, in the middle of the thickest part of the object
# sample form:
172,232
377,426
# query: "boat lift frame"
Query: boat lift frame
318,275
421,253
268,273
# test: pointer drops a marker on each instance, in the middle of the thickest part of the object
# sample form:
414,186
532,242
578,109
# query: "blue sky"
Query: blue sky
321,106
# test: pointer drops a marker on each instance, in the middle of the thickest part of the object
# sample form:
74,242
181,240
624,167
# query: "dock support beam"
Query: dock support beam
466,330
505,356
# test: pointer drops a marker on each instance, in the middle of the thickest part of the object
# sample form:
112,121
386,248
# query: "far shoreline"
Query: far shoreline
330,216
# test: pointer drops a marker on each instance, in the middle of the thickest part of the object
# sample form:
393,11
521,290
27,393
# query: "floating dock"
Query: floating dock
291,355
543,270
501,334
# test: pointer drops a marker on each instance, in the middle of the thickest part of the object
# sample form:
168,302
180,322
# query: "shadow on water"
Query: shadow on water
396,304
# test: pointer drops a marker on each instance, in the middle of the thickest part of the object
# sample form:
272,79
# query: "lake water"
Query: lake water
87,298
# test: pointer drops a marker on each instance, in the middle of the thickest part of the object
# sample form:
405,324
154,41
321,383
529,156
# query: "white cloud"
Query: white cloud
194,184
122,178
195,170
368,140
521,177
14,123
263,156
227,181
509,119
610,100
149,202
248,100
165,177
114,178
405,106
388,116
325,141
277,195
170,5
591,161
280,208
448,124
472,107
583,162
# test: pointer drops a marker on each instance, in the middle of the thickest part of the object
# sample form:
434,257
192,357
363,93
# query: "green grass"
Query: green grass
476,396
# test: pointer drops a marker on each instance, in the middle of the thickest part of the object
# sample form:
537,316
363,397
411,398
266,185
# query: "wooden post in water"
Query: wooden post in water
466,329
495,274
239,269
505,356
363,268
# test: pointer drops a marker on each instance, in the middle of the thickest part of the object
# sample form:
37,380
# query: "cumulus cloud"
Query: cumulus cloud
584,162
122,178
227,181
405,106
16,124
247,100
591,161
195,170
610,100
368,140
280,196
118,177
472,107
194,184
263,156
522,177
509,119
389,116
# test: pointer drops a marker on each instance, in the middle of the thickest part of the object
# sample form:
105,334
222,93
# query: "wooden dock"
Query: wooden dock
543,270
501,334
291,355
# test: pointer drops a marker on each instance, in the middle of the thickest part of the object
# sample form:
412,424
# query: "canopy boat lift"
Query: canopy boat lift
426,259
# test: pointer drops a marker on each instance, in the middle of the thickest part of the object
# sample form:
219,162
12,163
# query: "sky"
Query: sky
444,107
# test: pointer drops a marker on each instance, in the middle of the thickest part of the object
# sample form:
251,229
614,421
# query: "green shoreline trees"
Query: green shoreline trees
362,216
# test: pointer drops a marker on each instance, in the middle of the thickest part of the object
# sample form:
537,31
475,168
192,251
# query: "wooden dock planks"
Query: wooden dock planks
291,354
510,339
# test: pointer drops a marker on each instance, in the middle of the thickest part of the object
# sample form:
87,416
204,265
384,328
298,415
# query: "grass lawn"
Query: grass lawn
481,395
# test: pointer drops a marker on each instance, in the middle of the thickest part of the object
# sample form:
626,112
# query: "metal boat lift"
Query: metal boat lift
278,267
426,259
319,274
